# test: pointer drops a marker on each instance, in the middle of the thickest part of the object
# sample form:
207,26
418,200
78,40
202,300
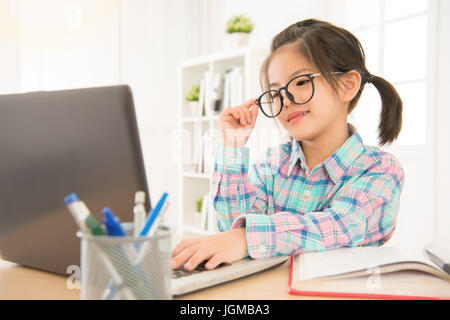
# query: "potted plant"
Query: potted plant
192,97
239,27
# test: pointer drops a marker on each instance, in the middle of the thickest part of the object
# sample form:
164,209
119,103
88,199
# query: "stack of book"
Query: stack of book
217,92
220,90
204,150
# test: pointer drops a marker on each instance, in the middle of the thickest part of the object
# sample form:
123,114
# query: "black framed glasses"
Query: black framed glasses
299,90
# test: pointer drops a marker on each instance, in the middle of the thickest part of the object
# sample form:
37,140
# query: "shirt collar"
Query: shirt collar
336,164
297,155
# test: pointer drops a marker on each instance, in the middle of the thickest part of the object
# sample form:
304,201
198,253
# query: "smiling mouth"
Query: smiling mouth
299,116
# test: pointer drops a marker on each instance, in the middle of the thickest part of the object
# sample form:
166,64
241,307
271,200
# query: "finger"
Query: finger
242,116
214,262
235,113
247,113
183,244
196,259
231,112
247,106
254,113
249,103
183,256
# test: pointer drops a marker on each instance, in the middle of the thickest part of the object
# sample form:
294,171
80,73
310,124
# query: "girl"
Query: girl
322,190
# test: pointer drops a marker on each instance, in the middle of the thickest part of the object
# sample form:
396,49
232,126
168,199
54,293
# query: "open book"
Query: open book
373,272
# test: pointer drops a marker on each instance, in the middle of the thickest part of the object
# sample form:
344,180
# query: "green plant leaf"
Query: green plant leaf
199,204
239,23
193,93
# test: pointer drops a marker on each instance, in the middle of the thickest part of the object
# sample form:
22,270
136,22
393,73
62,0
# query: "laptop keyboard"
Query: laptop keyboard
181,272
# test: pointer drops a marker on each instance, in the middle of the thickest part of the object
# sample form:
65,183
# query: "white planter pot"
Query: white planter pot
239,39
198,220
196,110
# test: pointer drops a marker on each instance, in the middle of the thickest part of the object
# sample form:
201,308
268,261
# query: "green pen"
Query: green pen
85,220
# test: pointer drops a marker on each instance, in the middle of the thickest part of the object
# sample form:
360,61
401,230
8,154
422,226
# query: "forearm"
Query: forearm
293,233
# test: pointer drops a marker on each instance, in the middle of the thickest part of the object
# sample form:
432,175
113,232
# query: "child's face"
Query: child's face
325,109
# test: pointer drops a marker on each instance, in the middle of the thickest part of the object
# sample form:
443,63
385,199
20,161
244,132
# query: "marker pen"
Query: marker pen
153,214
85,220
112,223
139,212
158,219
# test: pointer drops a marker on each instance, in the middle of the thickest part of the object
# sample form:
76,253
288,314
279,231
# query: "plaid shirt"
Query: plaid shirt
350,199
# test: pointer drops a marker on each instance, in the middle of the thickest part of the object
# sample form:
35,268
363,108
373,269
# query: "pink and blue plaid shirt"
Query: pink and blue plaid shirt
350,199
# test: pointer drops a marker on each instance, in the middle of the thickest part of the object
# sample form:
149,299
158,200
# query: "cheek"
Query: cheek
324,105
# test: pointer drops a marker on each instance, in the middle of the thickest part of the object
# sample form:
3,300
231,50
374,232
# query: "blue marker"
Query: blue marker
112,223
153,214
158,220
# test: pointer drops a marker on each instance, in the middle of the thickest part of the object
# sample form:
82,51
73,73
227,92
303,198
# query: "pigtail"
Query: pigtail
391,110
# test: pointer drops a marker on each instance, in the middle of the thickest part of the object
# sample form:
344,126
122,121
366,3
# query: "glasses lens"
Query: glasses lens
271,103
300,89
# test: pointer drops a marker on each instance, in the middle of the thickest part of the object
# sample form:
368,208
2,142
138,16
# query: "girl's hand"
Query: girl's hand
226,247
237,123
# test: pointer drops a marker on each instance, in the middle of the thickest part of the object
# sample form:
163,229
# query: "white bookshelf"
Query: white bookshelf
194,184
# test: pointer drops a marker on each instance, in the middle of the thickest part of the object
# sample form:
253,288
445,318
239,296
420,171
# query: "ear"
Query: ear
349,85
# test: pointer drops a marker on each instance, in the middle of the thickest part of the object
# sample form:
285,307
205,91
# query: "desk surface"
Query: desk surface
18,282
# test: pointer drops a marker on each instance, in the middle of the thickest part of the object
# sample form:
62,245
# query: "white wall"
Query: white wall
442,127
67,44
155,35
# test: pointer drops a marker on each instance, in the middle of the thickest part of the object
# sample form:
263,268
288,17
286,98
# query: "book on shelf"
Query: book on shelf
217,93
201,96
204,213
376,272
208,152
198,147
208,79
236,83
226,90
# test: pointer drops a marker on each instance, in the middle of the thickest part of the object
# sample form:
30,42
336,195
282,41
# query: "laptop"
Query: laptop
184,282
55,143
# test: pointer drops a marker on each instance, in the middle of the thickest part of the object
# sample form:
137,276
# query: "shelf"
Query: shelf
204,60
232,53
194,185
199,119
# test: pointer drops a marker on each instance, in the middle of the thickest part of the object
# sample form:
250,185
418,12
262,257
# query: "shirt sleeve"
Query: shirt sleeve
363,211
235,191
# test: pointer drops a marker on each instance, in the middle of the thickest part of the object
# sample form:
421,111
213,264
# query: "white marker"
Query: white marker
139,212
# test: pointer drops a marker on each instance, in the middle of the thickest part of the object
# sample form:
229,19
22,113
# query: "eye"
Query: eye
302,82
275,95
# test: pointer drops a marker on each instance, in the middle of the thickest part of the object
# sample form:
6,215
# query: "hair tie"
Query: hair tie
369,78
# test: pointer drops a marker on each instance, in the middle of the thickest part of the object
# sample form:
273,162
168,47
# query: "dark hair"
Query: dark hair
330,48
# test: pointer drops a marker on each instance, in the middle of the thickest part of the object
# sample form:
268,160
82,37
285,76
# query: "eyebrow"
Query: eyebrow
290,76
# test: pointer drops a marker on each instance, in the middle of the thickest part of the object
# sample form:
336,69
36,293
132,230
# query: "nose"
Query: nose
286,98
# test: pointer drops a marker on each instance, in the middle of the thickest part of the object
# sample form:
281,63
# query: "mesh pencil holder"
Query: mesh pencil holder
126,268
